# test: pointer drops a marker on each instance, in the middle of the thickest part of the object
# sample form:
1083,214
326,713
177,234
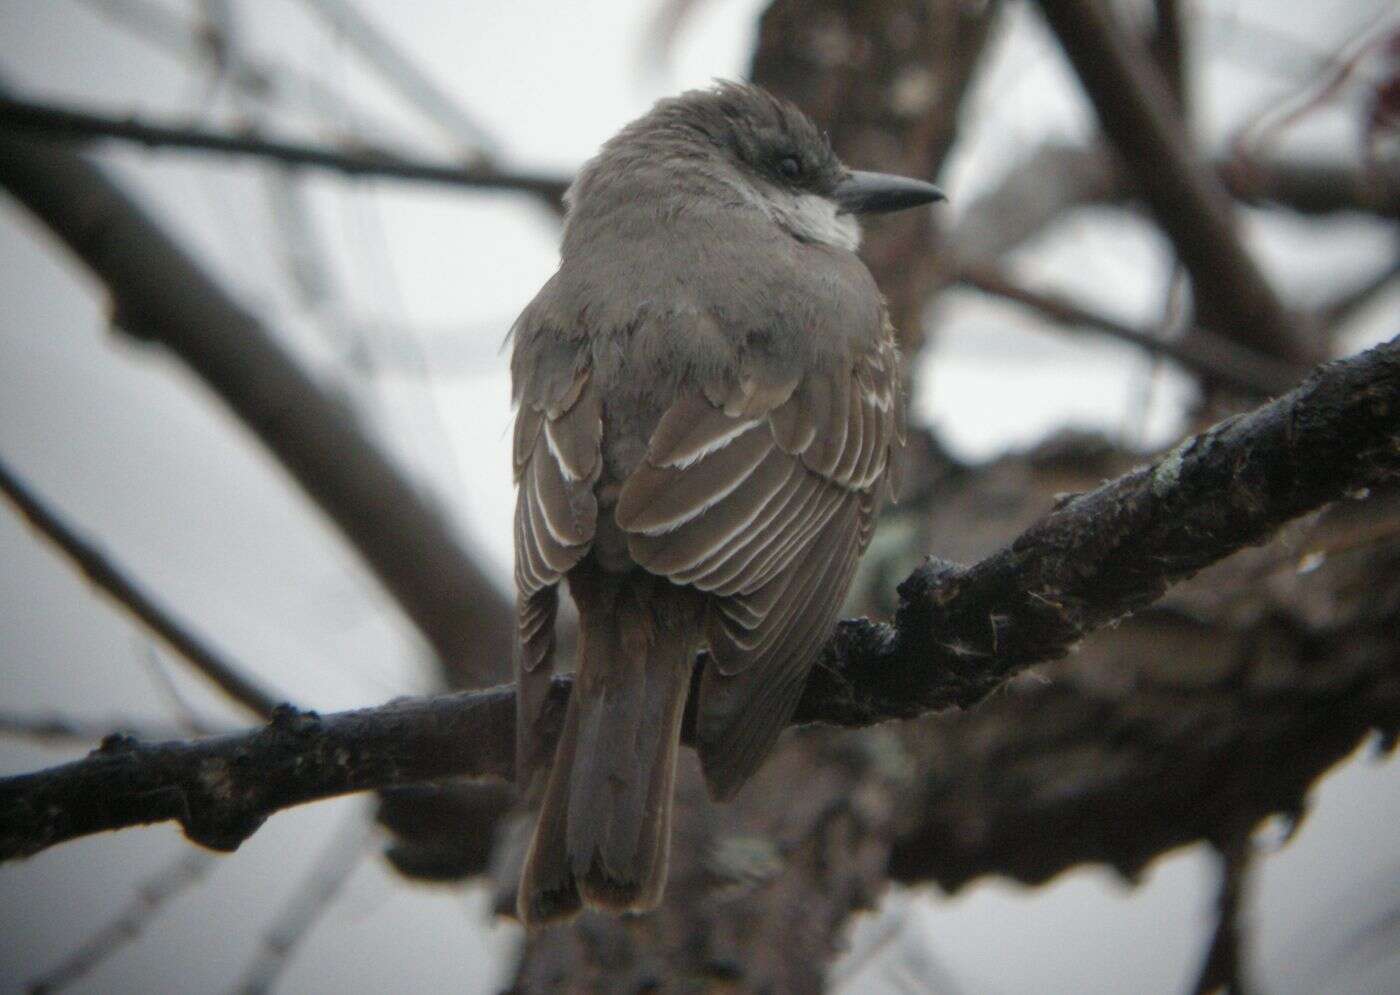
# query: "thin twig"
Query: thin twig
64,123
1202,352
1093,560
107,575
190,719
1342,308
265,81
127,926
405,75
160,293
62,729
1223,968
309,902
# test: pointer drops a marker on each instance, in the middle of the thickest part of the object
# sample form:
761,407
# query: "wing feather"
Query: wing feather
654,499
767,509
728,522
557,457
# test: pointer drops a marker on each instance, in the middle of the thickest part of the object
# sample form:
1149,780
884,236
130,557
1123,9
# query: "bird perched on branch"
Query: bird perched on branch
709,414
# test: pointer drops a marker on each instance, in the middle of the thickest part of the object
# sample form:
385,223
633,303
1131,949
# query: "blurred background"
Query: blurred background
1016,303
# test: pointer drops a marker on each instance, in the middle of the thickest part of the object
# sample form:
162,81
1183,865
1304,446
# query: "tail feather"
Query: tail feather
547,886
603,835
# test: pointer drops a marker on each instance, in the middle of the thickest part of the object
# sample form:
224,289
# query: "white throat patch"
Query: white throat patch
815,219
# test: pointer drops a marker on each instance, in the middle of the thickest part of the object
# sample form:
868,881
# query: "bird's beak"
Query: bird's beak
879,193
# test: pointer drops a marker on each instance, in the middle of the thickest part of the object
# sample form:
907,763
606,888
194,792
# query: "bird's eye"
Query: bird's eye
790,167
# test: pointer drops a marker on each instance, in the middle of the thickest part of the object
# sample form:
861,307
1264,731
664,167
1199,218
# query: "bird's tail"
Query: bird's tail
604,830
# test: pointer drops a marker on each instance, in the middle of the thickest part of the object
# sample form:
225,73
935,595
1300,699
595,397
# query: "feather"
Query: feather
655,500
690,429
575,439
855,436
675,552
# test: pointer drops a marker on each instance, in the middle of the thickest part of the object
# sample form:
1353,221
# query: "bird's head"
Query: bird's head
754,148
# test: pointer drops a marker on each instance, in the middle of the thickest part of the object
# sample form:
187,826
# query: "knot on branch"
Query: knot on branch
217,808
288,718
116,742
226,797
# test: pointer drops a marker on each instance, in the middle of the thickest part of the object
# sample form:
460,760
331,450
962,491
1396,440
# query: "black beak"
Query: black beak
879,193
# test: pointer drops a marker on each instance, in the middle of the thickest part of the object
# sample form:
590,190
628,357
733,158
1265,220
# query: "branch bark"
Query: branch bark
160,293
958,635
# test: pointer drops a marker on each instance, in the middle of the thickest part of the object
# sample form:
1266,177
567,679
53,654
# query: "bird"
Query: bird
709,417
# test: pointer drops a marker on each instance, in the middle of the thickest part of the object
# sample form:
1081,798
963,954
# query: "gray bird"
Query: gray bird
709,413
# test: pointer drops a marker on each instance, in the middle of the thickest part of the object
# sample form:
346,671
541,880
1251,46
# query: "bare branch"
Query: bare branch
58,122
1312,186
62,729
102,572
128,925
309,903
1176,727
1168,46
266,81
1041,188
160,293
404,74
958,635
1135,107
1347,304
1056,178
1210,355
1223,969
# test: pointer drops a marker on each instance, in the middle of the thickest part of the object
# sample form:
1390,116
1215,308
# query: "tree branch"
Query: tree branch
404,74
1312,186
129,924
160,293
1181,725
1223,969
309,903
1135,108
958,634
1345,306
1212,356
66,730
271,83
101,571
1168,46
61,122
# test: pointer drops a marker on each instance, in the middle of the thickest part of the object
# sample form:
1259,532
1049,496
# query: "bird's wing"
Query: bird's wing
763,493
557,459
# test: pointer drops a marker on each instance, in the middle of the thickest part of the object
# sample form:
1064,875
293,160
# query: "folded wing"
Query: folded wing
763,494
557,461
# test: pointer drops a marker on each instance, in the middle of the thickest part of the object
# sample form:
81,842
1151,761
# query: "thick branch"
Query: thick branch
160,293
959,632
1135,107
60,122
